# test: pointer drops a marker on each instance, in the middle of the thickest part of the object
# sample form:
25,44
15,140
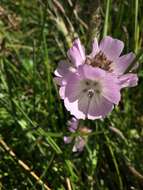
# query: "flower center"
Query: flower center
100,60
91,88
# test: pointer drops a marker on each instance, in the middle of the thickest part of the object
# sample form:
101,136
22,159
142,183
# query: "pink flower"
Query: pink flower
91,92
90,85
79,141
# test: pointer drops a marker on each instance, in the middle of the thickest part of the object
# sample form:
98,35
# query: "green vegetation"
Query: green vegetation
34,37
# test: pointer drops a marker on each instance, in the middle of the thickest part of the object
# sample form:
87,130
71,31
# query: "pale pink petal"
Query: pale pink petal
111,47
111,89
122,63
89,72
73,108
76,53
83,103
95,48
61,75
128,80
63,68
73,90
99,108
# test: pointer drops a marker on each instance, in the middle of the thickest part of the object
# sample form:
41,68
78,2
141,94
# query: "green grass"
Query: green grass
34,37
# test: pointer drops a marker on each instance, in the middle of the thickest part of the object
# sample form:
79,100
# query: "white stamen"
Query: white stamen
90,92
72,69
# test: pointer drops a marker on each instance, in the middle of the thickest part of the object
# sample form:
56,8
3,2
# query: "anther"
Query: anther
87,83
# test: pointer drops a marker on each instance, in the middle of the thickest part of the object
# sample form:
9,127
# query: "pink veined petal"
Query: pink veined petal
63,68
80,48
111,89
99,108
122,63
128,80
77,53
73,90
111,47
89,72
73,108
83,104
95,48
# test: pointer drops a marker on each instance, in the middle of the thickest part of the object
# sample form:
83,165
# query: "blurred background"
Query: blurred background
34,36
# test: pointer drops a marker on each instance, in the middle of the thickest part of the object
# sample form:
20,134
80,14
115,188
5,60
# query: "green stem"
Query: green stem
114,161
105,30
136,25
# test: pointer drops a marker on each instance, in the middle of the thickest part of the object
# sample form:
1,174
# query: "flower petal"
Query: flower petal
95,48
73,90
83,103
76,53
99,108
111,88
111,47
73,108
63,67
89,72
122,63
128,80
